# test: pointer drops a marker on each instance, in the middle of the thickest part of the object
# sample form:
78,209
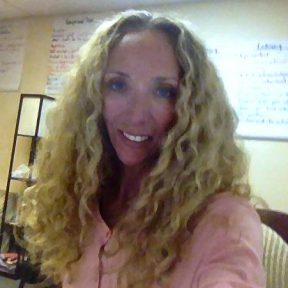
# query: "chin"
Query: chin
131,161
138,160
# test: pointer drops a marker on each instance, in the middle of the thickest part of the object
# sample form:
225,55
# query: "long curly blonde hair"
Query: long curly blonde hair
76,161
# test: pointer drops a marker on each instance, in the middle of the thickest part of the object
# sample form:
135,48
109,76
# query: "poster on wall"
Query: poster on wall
255,76
12,46
69,34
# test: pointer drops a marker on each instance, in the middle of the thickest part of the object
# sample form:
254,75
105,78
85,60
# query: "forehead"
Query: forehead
144,48
148,38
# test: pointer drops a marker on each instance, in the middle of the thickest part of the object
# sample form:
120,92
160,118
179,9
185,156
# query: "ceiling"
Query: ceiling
24,8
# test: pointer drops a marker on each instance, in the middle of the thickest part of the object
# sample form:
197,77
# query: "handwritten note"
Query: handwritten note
12,45
256,80
68,35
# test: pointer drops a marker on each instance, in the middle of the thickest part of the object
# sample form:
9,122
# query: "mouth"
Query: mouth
136,138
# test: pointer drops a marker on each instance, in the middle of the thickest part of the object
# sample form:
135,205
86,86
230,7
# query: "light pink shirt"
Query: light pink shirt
224,251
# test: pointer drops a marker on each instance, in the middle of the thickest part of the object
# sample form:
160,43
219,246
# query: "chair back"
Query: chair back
275,241
278,221
275,258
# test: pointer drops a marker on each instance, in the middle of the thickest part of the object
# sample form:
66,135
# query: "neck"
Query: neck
131,181
131,178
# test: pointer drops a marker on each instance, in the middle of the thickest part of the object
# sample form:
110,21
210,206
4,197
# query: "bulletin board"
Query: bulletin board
255,75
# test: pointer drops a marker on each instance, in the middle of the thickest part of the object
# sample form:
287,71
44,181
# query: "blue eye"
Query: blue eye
117,85
166,92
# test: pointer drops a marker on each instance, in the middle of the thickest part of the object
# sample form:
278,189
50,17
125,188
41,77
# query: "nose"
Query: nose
139,111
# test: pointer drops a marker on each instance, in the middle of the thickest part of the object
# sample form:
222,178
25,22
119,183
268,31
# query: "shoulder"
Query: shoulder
229,216
226,202
227,243
229,212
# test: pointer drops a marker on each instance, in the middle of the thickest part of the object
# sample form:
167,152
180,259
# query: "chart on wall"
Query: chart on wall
255,75
12,46
69,34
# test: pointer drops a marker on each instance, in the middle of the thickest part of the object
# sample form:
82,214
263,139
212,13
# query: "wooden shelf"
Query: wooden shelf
7,227
20,179
26,180
9,274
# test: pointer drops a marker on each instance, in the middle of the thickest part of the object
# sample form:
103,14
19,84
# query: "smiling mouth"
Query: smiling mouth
135,138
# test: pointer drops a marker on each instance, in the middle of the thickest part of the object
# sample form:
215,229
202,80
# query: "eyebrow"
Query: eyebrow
161,79
118,73
158,79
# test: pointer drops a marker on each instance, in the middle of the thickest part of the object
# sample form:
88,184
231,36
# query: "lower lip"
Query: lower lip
131,143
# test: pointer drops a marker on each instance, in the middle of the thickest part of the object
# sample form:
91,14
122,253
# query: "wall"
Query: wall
231,21
35,68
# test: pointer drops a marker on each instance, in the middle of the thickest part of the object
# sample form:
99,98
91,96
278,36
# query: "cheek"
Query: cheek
165,117
111,110
108,113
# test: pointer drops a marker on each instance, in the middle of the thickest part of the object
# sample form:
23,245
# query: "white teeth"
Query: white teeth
135,138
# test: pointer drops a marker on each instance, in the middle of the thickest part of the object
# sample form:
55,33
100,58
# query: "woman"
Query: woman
140,179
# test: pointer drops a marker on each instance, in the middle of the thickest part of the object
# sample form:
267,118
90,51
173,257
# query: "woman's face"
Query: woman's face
140,88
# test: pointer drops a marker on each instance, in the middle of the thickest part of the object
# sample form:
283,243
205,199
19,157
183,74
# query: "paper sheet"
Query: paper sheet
12,45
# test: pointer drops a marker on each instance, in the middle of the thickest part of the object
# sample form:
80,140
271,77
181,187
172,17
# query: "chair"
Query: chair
275,236
278,221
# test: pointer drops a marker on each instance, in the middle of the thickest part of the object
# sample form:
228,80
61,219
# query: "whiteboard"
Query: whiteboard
255,75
